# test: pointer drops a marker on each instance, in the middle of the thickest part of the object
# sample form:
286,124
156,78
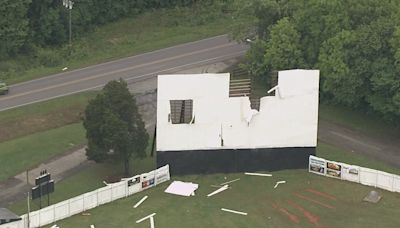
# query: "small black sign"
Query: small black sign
43,189
43,178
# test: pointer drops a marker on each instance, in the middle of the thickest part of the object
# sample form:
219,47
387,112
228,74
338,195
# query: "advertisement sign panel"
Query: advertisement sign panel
333,169
317,165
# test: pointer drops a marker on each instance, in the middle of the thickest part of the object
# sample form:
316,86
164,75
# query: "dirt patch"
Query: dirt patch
313,219
323,194
314,201
290,216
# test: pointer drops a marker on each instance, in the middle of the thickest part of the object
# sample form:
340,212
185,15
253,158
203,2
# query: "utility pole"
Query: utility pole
68,4
29,210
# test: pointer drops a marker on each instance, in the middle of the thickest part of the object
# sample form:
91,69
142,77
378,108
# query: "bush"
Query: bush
49,58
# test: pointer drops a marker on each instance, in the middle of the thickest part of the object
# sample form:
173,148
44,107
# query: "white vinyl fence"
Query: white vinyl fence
365,176
89,200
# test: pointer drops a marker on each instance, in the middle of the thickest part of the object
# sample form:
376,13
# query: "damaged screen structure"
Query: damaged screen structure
210,123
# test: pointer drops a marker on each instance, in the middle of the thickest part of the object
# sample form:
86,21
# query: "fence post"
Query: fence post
393,176
39,217
69,207
126,189
111,193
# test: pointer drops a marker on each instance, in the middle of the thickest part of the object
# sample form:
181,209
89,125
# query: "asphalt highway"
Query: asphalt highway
139,67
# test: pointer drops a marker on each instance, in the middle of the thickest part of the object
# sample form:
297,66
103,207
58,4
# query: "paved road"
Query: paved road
168,60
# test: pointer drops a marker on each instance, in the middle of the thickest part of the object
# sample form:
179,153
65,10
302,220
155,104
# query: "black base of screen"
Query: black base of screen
230,160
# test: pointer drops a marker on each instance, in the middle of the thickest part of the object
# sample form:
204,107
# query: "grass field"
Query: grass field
43,116
23,153
306,200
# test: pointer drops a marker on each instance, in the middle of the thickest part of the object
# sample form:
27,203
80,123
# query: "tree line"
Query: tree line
354,43
25,24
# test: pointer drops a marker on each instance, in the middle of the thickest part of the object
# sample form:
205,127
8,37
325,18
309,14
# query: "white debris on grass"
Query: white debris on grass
228,182
144,218
151,222
221,189
259,174
182,188
91,226
279,182
54,226
65,68
233,211
140,202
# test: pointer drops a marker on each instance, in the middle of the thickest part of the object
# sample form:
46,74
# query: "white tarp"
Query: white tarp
182,188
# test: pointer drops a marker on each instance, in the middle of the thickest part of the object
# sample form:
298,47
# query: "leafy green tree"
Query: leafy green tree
283,48
114,127
336,76
13,26
254,18
355,44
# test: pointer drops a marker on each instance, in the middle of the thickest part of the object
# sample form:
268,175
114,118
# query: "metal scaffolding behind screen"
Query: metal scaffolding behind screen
181,111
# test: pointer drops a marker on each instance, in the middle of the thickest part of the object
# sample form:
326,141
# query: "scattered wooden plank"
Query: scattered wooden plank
259,174
233,211
144,218
151,222
221,189
279,182
228,182
140,202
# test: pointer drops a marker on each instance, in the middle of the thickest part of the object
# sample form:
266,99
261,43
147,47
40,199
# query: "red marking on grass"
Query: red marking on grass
313,219
314,201
292,217
323,194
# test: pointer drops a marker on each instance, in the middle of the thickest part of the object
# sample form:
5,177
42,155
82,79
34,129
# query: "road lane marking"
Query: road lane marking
355,140
117,60
116,71
129,78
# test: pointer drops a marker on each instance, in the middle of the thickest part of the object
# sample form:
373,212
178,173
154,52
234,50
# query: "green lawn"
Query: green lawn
130,36
43,116
23,153
257,197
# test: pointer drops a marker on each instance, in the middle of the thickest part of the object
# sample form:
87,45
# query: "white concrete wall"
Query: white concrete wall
288,119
